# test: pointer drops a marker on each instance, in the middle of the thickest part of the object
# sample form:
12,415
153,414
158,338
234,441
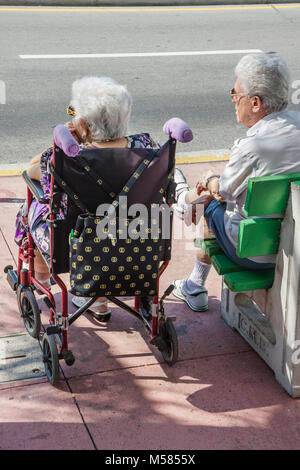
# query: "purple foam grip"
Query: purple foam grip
178,129
64,140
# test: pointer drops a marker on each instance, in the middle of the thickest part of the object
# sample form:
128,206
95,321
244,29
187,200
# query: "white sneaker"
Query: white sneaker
198,301
181,182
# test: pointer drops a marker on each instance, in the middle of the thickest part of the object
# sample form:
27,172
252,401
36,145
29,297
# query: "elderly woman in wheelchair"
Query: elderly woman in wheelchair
101,108
57,227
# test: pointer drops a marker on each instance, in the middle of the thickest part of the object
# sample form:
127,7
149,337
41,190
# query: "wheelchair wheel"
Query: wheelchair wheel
30,311
167,333
50,358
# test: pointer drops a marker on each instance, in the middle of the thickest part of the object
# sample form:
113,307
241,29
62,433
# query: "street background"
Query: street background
120,394
195,88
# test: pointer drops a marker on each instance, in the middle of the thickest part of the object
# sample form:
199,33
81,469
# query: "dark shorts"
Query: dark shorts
214,215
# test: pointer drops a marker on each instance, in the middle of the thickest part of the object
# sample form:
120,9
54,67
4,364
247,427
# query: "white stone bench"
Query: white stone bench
269,319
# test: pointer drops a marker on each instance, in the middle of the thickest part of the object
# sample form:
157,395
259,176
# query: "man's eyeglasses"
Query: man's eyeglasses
236,97
71,111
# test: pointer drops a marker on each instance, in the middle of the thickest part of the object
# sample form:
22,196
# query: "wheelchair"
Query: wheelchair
116,166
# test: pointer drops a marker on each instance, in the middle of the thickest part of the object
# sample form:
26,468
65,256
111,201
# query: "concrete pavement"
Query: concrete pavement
120,394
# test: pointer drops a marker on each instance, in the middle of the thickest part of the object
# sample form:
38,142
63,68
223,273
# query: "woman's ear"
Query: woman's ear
83,129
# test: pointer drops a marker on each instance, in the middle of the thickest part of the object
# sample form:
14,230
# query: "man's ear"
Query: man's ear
256,104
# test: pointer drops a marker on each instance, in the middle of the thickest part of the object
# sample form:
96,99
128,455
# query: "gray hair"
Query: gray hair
104,104
265,75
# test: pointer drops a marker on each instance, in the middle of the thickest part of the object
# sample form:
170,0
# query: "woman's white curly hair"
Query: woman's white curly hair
265,75
104,104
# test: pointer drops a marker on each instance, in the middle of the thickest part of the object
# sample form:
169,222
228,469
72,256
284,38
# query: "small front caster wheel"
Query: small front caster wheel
50,358
169,344
68,357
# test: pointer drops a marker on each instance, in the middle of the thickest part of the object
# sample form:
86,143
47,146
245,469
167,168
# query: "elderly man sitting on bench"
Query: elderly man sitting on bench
270,147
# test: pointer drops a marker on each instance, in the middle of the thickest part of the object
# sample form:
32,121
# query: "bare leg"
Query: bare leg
203,257
207,233
102,308
41,269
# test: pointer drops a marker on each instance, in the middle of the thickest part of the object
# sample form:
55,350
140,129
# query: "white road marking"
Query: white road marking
136,54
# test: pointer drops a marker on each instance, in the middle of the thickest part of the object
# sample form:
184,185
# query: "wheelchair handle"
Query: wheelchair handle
174,127
178,129
64,140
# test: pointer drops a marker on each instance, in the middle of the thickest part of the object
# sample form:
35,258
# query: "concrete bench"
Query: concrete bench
264,305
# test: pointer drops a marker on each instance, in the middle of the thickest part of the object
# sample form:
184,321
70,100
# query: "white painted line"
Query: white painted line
13,166
136,54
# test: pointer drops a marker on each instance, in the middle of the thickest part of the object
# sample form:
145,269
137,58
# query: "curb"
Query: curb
140,3
219,155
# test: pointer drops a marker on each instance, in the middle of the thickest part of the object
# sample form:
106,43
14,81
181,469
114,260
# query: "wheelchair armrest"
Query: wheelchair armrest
35,188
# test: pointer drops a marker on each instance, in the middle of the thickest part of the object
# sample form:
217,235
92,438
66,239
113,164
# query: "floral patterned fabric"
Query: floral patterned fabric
36,220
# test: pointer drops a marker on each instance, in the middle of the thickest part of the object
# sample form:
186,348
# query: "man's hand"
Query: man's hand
200,186
213,188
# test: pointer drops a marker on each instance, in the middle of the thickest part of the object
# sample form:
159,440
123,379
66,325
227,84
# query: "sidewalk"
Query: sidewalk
120,394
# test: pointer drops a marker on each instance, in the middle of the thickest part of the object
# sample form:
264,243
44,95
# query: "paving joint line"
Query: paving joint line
11,253
73,396
20,383
74,377
31,382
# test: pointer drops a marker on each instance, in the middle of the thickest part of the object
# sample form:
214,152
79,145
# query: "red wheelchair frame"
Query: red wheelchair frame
55,344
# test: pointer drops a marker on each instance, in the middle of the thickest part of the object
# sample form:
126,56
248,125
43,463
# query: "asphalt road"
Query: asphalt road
195,88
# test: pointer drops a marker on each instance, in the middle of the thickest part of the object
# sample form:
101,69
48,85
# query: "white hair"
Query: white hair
265,75
104,104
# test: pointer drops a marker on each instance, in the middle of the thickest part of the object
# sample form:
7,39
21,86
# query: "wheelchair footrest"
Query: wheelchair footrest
11,277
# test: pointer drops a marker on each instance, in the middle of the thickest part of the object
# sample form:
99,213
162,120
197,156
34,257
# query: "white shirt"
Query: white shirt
271,147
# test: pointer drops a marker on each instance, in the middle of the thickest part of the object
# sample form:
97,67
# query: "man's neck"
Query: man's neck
257,118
